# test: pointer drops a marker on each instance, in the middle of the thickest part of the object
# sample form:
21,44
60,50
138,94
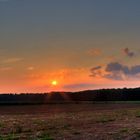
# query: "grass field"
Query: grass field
70,122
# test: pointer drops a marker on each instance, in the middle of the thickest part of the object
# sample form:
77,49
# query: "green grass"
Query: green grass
138,114
105,119
9,137
124,130
45,136
39,122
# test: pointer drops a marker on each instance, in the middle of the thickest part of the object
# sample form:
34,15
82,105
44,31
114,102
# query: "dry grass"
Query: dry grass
81,122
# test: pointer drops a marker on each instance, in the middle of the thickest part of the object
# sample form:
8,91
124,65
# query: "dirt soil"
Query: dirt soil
70,122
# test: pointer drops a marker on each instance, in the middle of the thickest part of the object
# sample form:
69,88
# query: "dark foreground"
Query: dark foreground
70,122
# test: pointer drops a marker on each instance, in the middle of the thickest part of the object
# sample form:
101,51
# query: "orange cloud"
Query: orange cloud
63,76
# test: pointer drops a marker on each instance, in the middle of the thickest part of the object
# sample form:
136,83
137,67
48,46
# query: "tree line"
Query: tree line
125,94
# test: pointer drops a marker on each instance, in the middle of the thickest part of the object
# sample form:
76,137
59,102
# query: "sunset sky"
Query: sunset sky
76,44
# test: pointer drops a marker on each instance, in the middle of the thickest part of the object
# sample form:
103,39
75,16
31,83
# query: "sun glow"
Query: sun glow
54,83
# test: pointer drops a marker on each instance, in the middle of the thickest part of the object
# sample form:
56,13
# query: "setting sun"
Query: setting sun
54,83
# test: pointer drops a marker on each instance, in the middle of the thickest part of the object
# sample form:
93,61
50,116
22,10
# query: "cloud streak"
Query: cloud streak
11,60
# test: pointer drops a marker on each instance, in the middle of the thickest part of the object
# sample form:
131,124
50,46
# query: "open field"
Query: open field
70,122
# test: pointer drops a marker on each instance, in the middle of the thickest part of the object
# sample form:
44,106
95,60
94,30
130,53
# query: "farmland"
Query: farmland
84,121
